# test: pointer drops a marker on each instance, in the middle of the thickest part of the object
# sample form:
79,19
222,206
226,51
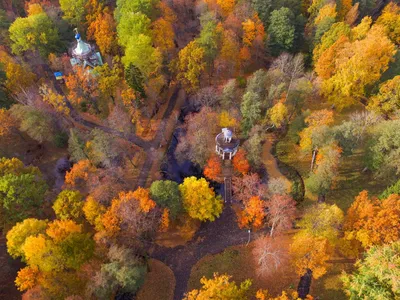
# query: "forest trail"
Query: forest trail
165,130
269,160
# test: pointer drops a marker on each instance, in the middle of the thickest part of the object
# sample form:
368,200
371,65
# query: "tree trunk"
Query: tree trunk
303,289
314,156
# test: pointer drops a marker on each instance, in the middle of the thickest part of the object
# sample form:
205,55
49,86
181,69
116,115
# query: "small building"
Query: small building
226,145
84,54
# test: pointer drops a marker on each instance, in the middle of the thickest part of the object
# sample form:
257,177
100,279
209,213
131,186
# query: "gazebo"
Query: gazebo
84,54
226,145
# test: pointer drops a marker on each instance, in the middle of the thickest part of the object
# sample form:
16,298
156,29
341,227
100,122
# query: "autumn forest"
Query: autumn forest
199,149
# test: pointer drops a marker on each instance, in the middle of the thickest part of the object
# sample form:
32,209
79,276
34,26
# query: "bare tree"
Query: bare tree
248,186
268,256
281,213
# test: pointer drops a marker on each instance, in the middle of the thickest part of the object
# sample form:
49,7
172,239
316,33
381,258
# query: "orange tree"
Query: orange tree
213,169
240,162
253,214
372,221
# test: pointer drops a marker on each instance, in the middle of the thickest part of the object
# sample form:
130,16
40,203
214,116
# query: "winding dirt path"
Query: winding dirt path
269,160
211,238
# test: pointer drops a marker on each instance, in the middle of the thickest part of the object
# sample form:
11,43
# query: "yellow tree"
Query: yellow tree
93,212
313,245
278,114
249,32
390,20
56,100
358,65
387,101
315,120
190,65
18,77
226,6
199,200
327,11
310,253
162,29
220,287
17,236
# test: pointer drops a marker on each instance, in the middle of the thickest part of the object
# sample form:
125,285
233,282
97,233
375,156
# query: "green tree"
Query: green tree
257,84
229,94
321,179
393,189
134,79
282,30
76,146
387,100
37,124
383,148
124,272
377,275
132,24
22,190
102,150
68,205
166,194
209,38
74,11
125,7
322,220
35,32
199,200
253,146
140,52
263,9
251,111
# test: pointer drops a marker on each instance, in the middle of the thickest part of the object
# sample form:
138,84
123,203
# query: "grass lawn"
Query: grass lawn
351,180
159,283
238,261
329,286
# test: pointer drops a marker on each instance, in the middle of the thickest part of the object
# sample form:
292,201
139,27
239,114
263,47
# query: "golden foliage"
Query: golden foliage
253,214
143,196
54,99
164,224
80,171
310,252
199,199
26,278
